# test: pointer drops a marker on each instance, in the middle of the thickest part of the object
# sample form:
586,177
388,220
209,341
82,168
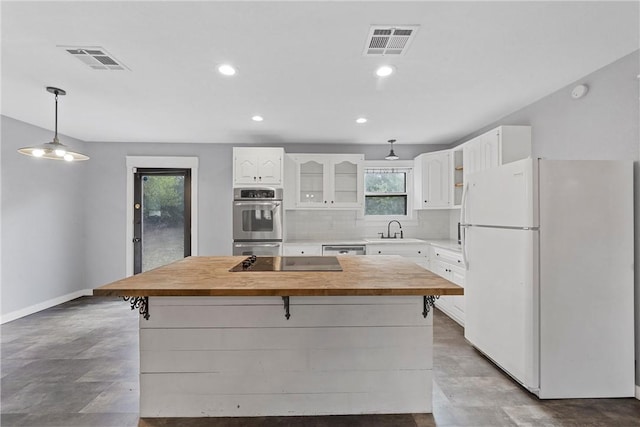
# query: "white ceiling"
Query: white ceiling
301,66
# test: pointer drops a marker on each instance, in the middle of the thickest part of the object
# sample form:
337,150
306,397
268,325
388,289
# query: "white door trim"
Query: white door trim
160,162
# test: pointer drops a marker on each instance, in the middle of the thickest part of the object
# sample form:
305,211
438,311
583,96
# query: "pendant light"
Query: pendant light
53,150
391,155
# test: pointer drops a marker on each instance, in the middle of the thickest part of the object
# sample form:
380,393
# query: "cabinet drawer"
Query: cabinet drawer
449,272
402,249
306,250
446,255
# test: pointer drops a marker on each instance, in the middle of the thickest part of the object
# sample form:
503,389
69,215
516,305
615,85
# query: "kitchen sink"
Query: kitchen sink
399,241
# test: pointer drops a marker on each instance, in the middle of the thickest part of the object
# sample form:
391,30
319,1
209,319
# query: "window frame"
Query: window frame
388,164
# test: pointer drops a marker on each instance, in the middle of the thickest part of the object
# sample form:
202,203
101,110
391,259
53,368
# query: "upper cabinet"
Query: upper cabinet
440,175
327,181
433,180
258,166
501,145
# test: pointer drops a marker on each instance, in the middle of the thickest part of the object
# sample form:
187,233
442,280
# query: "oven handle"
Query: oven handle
262,245
276,204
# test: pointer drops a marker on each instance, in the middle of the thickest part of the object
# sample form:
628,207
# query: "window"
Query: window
386,191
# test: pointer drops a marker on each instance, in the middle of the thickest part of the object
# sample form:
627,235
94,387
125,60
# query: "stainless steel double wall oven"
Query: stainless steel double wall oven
257,221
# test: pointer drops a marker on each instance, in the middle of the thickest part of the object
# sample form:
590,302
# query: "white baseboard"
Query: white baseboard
638,392
44,305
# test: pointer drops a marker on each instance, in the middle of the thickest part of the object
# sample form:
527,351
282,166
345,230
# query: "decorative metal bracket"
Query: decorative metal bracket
285,300
428,303
140,303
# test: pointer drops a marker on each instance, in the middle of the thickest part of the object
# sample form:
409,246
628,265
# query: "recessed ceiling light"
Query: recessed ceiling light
384,71
257,118
226,70
361,120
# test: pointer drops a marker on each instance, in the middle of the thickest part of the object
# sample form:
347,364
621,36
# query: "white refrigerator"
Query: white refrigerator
548,247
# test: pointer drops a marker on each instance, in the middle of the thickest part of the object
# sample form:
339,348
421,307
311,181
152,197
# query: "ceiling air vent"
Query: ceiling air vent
95,57
389,39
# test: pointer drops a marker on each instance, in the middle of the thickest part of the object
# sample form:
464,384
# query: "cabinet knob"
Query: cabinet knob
325,201
302,252
260,178
254,178
425,201
332,202
419,252
379,252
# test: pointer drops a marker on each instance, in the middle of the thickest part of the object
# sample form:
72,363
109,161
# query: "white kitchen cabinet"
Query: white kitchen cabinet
328,181
416,252
293,249
449,264
498,146
433,180
258,166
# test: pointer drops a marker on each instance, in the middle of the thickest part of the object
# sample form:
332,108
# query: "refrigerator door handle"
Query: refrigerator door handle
463,225
463,204
463,243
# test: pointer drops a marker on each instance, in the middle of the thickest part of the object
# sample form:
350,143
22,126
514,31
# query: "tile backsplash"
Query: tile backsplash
340,225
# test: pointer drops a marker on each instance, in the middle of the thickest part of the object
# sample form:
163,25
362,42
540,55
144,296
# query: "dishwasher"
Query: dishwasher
344,250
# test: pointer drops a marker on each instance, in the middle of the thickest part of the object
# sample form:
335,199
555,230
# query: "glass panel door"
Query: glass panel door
312,191
162,217
345,179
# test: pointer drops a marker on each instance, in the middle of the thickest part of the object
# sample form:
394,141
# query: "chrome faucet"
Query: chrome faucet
395,235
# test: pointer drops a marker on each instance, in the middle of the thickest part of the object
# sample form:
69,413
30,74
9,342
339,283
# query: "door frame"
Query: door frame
134,162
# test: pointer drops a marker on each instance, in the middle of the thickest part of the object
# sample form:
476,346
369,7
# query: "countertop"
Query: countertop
442,243
210,276
446,244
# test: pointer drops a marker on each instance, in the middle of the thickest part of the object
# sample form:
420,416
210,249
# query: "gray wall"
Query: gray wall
106,183
43,211
602,125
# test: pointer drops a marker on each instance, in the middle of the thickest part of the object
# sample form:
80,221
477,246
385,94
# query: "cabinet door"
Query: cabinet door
442,269
457,277
346,183
269,168
471,157
246,168
490,150
438,183
257,165
310,176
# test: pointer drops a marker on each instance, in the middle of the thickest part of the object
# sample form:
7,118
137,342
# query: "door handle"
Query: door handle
275,204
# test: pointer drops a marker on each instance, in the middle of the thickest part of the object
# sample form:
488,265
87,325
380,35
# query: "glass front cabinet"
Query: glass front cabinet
329,181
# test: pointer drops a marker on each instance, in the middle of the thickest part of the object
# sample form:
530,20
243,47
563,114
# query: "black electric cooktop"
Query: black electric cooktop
289,263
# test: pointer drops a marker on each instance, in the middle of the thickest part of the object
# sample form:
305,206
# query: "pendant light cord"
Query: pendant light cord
55,137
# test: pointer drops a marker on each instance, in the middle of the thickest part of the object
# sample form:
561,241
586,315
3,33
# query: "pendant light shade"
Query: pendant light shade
391,155
53,150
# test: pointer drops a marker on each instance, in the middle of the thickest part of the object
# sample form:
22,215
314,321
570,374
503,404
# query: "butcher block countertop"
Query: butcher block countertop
210,276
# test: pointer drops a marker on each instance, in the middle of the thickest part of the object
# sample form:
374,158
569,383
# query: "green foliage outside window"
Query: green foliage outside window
163,199
385,182
385,193
385,205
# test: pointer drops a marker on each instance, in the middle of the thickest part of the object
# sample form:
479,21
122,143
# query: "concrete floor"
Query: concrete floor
76,364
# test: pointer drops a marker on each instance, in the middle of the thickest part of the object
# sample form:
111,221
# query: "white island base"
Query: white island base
240,356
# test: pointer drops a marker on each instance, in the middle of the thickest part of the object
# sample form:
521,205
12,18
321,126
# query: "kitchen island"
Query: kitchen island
220,343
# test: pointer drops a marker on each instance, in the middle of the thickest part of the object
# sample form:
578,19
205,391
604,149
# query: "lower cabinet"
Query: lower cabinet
443,262
449,264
